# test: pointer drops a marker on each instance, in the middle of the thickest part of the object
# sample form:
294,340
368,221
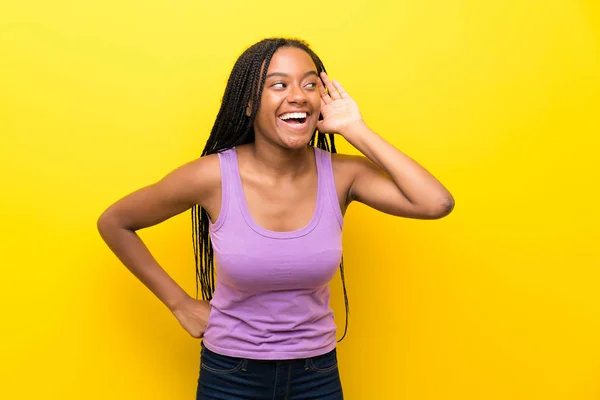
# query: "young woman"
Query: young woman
268,205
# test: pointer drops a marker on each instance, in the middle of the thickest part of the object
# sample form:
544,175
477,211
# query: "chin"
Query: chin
296,142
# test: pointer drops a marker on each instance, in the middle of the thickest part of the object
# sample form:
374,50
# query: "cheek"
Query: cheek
262,122
265,117
267,107
315,101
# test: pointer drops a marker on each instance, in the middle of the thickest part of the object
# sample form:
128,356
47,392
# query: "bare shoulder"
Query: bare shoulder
197,178
347,163
346,168
197,182
193,182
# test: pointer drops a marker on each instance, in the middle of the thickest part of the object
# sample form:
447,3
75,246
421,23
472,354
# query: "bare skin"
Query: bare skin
279,178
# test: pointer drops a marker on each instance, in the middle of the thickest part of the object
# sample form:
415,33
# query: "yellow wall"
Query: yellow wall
499,99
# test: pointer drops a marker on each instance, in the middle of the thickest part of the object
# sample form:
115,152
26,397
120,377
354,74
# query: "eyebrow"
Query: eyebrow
272,74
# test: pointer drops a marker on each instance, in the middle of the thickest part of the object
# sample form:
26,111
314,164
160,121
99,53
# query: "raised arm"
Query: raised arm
386,179
393,183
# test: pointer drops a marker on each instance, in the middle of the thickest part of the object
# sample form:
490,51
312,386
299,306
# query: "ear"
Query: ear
248,109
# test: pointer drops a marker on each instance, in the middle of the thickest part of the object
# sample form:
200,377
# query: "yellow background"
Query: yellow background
500,100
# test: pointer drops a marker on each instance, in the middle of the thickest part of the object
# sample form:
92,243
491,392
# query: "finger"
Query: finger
340,89
325,99
333,93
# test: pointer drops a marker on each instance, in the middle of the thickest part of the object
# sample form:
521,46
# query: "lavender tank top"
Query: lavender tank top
271,299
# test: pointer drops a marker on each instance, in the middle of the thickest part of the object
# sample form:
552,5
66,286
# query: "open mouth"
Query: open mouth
297,119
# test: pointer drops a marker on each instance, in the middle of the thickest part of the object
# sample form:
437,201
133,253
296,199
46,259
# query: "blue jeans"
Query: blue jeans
230,378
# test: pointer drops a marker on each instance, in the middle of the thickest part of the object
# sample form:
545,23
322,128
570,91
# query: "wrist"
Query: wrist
355,130
177,302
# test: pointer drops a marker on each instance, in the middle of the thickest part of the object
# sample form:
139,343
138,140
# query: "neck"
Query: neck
273,160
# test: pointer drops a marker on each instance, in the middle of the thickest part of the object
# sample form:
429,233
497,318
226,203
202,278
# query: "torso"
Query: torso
277,244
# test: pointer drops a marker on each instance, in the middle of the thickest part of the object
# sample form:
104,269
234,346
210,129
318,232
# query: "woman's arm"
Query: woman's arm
194,183
392,182
387,179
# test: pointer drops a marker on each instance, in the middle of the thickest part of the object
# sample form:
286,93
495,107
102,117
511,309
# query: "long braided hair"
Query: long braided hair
233,127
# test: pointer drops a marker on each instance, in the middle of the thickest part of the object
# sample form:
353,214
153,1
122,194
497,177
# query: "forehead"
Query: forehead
291,60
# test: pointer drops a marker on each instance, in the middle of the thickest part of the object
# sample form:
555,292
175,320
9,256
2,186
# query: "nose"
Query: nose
296,95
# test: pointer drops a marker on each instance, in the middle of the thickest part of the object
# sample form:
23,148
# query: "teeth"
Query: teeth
293,115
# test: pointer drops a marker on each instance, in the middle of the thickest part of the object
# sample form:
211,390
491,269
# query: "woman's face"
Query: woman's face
290,103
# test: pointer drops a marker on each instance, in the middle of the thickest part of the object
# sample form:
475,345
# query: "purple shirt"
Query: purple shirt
271,298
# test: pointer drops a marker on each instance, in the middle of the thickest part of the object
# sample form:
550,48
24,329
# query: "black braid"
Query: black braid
232,128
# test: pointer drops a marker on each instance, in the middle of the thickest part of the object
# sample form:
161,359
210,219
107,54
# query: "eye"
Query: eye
279,85
312,85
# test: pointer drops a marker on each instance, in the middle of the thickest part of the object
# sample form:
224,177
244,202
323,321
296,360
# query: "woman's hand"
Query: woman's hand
193,315
340,112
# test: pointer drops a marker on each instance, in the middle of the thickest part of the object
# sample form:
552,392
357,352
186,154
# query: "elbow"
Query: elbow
442,208
107,222
103,223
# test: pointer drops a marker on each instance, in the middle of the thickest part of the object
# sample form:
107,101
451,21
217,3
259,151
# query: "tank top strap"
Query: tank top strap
227,163
325,167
